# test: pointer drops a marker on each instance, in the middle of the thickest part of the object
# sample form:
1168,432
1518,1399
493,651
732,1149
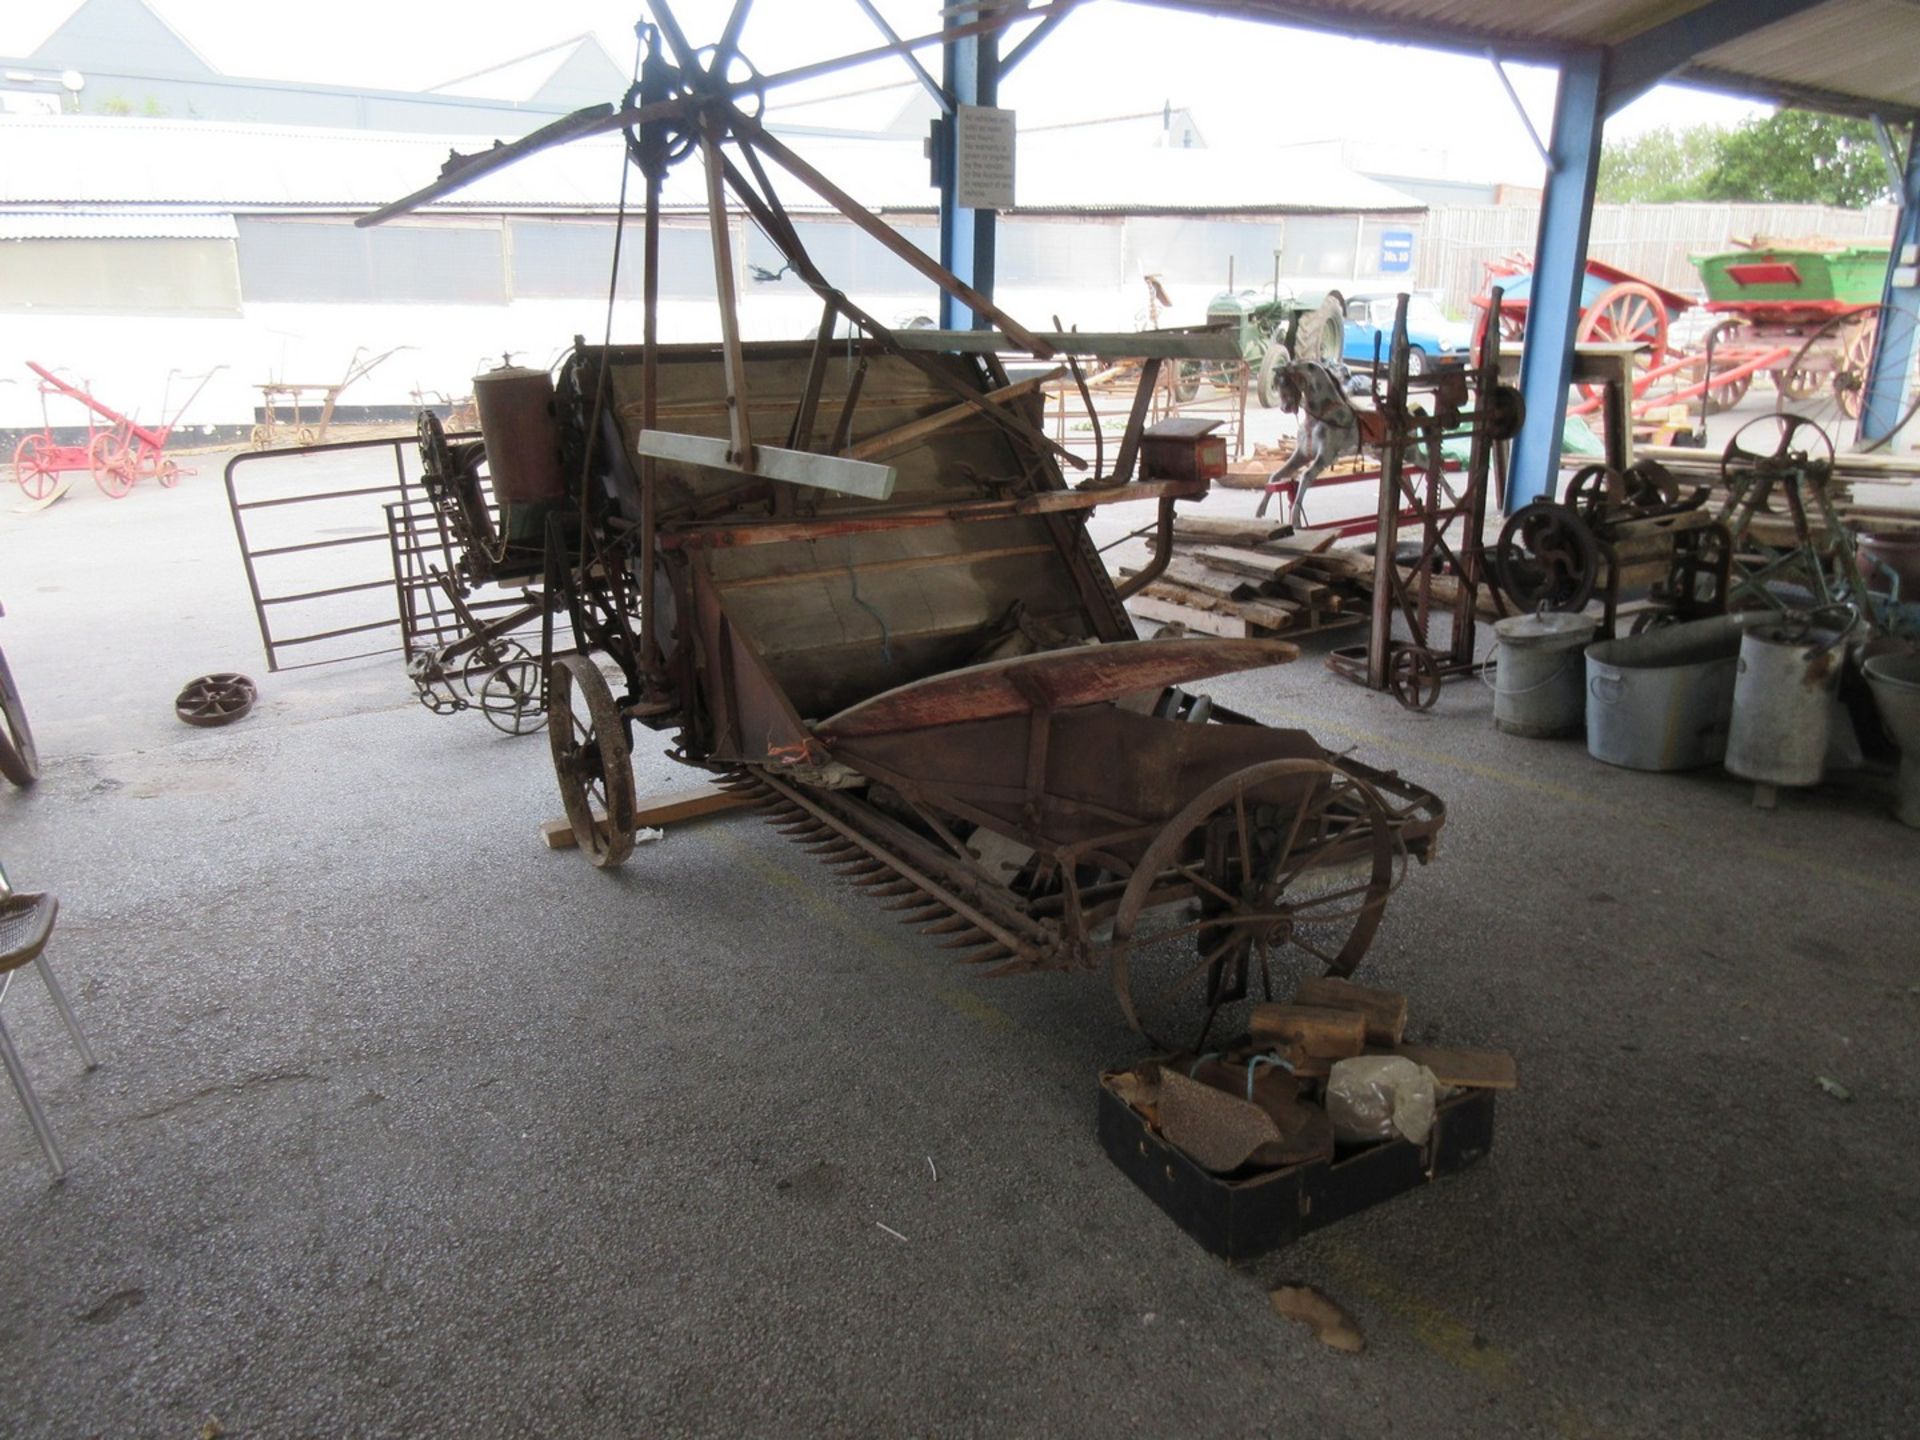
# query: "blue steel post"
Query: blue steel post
1889,381
971,74
1559,267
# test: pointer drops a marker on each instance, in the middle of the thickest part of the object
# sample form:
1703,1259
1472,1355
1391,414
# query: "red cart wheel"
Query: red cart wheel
1625,314
34,467
114,468
167,473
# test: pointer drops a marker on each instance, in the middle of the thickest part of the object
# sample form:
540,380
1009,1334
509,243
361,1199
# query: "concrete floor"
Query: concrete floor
407,1125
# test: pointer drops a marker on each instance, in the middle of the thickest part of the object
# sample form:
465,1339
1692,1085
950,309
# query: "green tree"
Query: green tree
1799,157
1660,165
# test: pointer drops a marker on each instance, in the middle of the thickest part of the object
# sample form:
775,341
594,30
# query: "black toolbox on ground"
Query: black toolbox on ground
1238,1219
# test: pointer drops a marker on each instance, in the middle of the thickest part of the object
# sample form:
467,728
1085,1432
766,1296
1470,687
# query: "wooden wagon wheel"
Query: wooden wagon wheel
1730,331
1629,313
1286,855
591,760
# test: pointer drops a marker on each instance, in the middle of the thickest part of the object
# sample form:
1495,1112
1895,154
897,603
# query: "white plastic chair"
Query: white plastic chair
26,922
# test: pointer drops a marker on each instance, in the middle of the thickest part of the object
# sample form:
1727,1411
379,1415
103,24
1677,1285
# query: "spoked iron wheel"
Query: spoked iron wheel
113,465
1286,864
34,467
19,761
1827,377
591,760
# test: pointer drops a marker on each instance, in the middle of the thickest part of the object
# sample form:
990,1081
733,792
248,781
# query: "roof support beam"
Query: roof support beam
1890,376
971,70
1637,65
1032,38
1559,268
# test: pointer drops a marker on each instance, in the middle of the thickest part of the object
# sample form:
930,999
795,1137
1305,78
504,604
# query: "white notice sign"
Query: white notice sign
983,157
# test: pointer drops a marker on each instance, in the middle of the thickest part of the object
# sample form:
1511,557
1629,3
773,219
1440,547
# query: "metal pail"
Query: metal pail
1783,702
1538,684
1663,700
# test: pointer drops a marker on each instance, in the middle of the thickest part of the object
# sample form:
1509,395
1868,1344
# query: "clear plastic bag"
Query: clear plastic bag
1381,1097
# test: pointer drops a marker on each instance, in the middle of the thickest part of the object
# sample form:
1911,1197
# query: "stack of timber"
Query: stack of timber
1248,579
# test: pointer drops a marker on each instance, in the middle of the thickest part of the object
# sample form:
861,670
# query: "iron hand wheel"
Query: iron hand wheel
1285,858
510,698
591,760
1547,556
218,699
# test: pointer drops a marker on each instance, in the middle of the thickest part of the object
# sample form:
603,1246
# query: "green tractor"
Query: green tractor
1271,333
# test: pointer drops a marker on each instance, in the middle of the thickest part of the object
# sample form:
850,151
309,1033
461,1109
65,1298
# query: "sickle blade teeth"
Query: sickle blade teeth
1019,965
992,954
864,868
973,935
894,887
951,927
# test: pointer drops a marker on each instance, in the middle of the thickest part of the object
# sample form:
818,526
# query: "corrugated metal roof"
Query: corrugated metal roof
94,161
115,225
1867,51
1851,47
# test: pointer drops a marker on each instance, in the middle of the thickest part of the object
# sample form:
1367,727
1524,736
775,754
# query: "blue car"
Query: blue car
1430,335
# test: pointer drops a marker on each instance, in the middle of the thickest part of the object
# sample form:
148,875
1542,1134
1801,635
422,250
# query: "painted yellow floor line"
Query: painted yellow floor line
1450,1338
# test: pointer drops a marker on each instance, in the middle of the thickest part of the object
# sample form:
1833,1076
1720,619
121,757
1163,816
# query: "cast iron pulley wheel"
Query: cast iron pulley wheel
1414,677
1289,859
33,467
486,658
1650,485
591,760
1546,557
1506,412
1268,384
1594,490
19,761
218,699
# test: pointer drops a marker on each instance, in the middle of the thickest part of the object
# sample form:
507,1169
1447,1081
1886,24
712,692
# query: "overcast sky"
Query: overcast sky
1246,84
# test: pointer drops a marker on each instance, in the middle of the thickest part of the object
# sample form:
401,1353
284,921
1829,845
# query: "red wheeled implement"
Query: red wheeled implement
120,455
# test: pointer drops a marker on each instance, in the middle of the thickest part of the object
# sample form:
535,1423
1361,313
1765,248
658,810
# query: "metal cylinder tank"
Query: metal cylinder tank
1783,702
523,443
